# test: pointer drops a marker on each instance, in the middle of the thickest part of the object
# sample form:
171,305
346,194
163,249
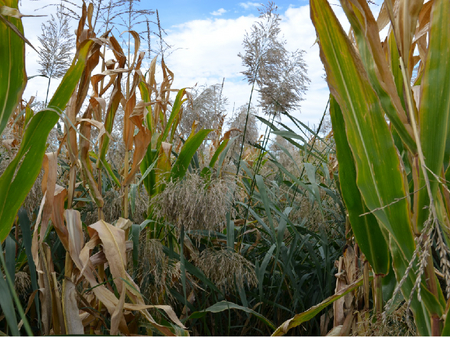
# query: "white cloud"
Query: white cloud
249,4
219,12
208,53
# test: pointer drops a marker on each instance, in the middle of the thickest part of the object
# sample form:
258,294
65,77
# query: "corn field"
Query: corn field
114,221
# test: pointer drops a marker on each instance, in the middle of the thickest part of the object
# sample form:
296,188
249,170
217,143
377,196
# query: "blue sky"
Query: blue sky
178,11
206,37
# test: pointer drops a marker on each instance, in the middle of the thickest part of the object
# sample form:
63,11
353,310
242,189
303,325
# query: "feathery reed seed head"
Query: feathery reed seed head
227,269
194,203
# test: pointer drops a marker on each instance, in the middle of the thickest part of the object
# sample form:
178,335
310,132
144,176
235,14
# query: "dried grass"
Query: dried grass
396,324
156,271
227,269
22,283
194,203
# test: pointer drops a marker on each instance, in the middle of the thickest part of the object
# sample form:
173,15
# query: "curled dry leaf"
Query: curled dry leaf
124,224
113,241
72,320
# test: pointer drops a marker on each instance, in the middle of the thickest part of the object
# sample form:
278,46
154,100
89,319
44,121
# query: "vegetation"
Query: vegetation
128,206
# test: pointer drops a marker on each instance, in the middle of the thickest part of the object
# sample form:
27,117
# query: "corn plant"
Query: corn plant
58,312
390,109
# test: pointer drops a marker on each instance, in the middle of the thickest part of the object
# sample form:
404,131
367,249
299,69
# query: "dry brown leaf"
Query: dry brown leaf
58,216
101,292
117,317
85,130
9,143
113,240
141,142
128,127
406,22
58,315
76,236
30,303
48,188
99,125
72,320
123,223
46,295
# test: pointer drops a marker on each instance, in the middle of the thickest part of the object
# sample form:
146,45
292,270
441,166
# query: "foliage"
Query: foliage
391,131
281,76
140,226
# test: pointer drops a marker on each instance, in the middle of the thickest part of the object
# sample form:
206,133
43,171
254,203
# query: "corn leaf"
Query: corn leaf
366,229
19,176
379,177
187,152
12,65
366,33
434,102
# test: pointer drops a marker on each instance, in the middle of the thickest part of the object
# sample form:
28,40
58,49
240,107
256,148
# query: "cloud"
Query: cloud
249,4
219,12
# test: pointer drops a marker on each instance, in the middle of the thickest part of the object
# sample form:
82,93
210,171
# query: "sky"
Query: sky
206,37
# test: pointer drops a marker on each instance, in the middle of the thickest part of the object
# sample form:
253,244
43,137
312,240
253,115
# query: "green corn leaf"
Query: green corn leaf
12,65
366,229
219,150
19,176
7,296
366,33
223,155
261,271
379,177
446,328
434,103
230,232
187,152
172,123
108,168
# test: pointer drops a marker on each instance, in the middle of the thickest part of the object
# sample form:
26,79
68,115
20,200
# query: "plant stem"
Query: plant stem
378,288
125,196
48,89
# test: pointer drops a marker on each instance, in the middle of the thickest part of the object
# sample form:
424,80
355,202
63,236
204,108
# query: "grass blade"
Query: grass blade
313,311
226,305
